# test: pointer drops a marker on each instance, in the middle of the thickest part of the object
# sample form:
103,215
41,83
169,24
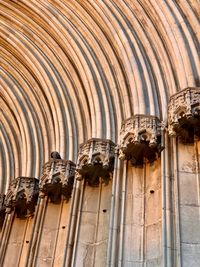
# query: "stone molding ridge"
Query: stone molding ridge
96,161
57,178
140,139
184,114
22,196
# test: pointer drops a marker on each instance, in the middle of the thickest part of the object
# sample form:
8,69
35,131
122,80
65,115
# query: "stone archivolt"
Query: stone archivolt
184,114
95,161
140,137
22,196
57,179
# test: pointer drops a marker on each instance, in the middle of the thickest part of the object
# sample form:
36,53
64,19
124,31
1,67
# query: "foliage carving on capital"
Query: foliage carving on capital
184,114
57,178
140,138
22,196
96,161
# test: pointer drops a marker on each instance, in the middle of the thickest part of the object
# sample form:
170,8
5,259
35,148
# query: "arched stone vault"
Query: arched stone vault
74,70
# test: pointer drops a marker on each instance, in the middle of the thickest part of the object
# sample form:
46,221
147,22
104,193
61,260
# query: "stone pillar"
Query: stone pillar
184,131
140,211
47,246
95,166
19,204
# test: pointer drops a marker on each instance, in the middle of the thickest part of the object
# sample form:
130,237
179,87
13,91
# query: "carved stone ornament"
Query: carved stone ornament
184,114
2,209
57,179
22,196
140,138
95,161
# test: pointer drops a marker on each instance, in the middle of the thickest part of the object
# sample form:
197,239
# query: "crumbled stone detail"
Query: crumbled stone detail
57,179
22,196
95,161
184,114
140,138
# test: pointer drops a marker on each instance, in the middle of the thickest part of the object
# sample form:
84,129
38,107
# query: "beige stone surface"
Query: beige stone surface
75,70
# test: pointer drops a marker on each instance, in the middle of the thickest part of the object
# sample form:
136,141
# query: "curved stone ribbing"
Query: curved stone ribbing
74,70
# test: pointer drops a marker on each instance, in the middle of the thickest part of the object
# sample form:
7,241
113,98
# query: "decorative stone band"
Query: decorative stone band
22,196
95,161
57,179
184,114
2,209
140,138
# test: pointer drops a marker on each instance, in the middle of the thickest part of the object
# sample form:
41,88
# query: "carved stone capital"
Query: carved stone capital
96,160
140,138
22,196
184,114
57,179
2,209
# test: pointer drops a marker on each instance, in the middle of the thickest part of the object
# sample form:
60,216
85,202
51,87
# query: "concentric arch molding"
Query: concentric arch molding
96,161
140,139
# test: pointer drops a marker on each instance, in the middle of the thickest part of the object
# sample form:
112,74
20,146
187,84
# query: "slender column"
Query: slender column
83,183
176,203
72,226
37,228
123,202
166,202
113,208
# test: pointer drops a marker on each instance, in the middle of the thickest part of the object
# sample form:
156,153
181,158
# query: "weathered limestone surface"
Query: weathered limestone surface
142,241
94,225
72,71
189,204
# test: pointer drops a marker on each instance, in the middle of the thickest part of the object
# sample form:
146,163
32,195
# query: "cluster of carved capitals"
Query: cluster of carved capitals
96,161
140,138
184,114
22,196
57,179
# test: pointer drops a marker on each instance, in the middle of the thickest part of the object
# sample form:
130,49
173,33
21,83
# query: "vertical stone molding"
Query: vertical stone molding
140,138
95,160
184,114
22,196
57,178
2,209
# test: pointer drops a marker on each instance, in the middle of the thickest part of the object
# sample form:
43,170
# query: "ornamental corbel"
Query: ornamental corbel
57,178
140,138
184,114
22,196
95,161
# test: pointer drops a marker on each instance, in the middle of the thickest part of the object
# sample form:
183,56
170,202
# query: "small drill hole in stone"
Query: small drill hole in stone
151,191
104,211
27,241
63,227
